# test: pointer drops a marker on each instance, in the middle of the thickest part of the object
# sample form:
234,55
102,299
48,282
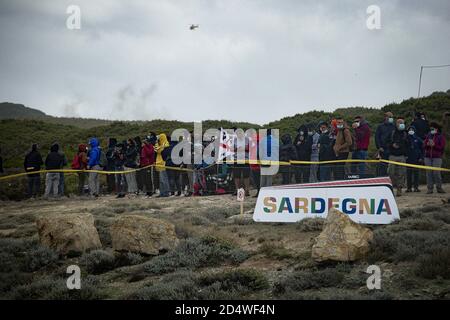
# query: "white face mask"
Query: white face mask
340,126
302,133
324,130
411,132
391,120
356,124
310,133
433,131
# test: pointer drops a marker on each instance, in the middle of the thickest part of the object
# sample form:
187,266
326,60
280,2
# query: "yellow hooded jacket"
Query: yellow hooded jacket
159,147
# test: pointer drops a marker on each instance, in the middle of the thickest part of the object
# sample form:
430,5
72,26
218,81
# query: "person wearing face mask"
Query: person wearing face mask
341,147
414,156
434,149
421,124
398,144
287,153
326,152
314,168
362,140
303,144
382,134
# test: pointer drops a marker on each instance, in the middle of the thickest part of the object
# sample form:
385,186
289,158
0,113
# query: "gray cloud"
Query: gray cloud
253,60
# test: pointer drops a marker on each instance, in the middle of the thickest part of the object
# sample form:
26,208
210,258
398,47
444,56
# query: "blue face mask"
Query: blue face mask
401,126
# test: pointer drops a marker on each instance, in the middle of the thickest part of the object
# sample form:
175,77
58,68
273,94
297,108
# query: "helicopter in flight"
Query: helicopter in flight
193,26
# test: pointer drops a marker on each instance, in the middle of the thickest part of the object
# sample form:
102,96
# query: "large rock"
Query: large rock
143,235
68,233
341,239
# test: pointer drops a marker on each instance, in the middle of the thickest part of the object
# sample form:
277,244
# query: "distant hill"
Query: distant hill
10,110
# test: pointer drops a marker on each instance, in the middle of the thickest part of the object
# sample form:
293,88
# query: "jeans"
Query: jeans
412,178
131,180
359,168
174,180
121,184
34,184
94,182
164,186
433,177
313,173
51,183
266,181
325,172
61,184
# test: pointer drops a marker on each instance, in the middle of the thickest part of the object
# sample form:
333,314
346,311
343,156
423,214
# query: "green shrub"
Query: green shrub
241,278
128,259
200,221
276,252
309,279
39,257
98,261
10,280
194,253
52,288
434,265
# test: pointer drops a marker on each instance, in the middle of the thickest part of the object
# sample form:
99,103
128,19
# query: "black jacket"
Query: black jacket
54,160
33,161
326,152
401,139
422,127
1,164
287,150
131,155
110,158
383,134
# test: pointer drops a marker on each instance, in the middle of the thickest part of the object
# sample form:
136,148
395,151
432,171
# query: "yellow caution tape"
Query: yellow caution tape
255,162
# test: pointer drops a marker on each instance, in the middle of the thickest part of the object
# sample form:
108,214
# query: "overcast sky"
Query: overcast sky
250,60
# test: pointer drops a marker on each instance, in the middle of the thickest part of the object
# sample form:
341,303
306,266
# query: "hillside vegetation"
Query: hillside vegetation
30,125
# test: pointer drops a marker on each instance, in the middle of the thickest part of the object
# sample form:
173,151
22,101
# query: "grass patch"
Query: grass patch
195,253
275,252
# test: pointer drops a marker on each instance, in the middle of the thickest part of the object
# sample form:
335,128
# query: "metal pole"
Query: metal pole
420,81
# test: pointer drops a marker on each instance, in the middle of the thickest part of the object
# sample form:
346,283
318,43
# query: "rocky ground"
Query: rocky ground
220,256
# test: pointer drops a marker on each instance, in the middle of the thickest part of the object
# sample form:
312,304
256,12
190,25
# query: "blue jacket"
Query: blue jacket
383,134
94,153
415,149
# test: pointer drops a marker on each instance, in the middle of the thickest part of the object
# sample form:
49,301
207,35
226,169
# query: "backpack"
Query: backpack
76,162
103,162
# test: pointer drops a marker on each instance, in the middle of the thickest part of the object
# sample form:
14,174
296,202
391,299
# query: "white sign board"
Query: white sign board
240,194
363,202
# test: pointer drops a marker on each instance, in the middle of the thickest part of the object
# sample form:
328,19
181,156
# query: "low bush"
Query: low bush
194,253
435,264
128,259
98,261
276,252
39,257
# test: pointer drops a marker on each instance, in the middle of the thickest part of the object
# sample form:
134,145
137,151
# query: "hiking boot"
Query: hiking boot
440,190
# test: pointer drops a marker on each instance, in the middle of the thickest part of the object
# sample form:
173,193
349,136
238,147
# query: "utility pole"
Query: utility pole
428,67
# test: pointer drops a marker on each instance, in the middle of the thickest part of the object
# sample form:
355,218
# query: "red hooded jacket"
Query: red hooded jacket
362,136
147,155
437,150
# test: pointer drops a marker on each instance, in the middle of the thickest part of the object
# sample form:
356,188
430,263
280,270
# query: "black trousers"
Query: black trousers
111,182
412,178
302,173
339,173
34,184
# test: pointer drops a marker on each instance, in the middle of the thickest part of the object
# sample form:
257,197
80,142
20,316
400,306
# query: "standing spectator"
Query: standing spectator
110,164
255,168
147,159
164,186
421,124
1,162
131,156
303,144
434,150
382,135
313,169
62,182
287,153
342,147
398,150
326,152
174,175
33,162
139,174
361,143
414,156
269,151
94,164
53,161
119,162
241,170
80,162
